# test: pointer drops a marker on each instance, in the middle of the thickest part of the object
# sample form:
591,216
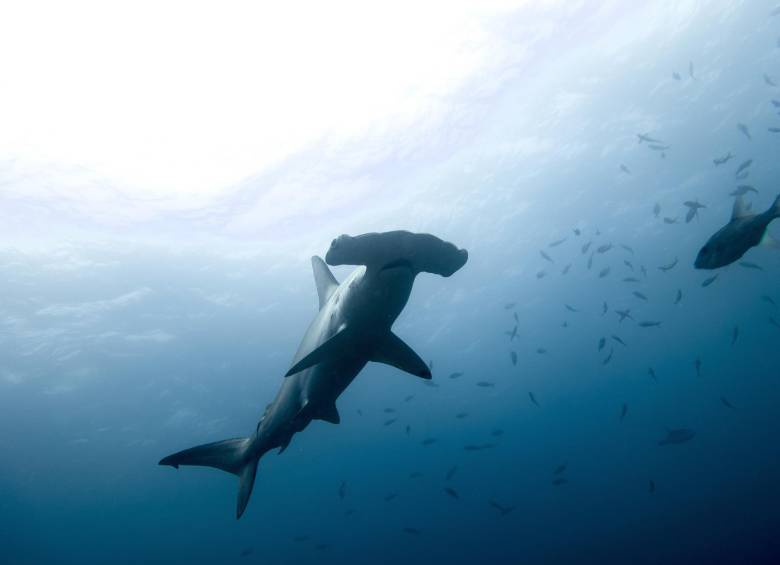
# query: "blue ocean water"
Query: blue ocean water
121,345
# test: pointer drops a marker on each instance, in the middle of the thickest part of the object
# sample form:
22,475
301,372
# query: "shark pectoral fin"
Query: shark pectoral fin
393,351
328,413
768,241
333,348
324,279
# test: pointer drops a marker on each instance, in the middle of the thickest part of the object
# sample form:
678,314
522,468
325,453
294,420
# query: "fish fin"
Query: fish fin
330,349
328,413
393,351
775,209
740,210
229,455
768,241
324,279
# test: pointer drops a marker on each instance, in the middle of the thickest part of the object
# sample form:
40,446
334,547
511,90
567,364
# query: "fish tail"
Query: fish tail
231,455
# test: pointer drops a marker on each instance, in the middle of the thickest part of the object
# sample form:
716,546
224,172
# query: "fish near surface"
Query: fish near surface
352,327
732,241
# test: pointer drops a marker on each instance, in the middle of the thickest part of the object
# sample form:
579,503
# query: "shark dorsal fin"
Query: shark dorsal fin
393,351
324,279
740,210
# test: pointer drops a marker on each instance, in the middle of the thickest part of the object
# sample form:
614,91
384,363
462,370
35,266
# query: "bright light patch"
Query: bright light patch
181,98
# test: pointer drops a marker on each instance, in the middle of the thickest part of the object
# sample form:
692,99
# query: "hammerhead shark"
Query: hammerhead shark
353,326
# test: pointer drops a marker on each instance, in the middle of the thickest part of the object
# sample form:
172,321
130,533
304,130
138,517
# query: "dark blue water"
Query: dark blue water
120,345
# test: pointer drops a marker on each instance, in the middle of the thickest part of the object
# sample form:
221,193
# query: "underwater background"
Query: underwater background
133,327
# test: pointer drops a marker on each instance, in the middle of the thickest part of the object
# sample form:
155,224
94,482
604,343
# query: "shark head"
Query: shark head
397,250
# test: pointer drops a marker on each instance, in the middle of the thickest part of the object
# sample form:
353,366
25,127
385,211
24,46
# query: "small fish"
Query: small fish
322,546
676,76
639,295
627,248
670,220
649,324
590,261
603,248
546,257
744,166
486,384
656,210
541,274
509,305
428,441
478,447
743,129
566,269
408,429
602,343
608,358
677,436
461,415
577,232
557,242
456,375
451,473
651,372
726,403
512,334
541,350
625,169
656,147
503,510
630,280
391,496
570,308
513,357
652,487
707,282
586,247
646,137
679,296
690,70
774,322
415,475
629,264
734,335
559,481
693,209
623,411
391,421
768,80
768,299
533,398
342,490
299,539
349,512
749,265
408,398
497,433
246,552
773,130
604,309
620,341
452,493
604,272
670,266
516,317
643,270
389,410
697,366
743,189
412,531
560,468
723,160
623,314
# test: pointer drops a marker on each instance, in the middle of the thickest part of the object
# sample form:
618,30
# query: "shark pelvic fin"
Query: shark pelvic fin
393,351
333,348
328,413
324,279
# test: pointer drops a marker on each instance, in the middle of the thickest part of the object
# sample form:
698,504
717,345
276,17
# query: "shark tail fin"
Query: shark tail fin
229,455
